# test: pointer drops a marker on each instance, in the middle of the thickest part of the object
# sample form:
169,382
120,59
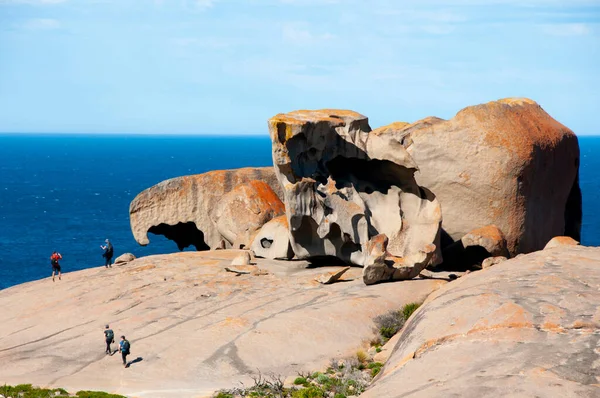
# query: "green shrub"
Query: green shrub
378,349
389,324
322,379
222,394
339,395
301,381
408,310
97,394
309,392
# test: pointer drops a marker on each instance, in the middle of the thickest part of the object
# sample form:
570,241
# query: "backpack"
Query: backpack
126,346
110,335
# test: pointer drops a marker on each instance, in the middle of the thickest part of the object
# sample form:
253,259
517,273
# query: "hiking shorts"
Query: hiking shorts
56,268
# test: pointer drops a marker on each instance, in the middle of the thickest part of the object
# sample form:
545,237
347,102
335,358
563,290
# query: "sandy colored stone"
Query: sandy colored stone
331,277
124,258
244,210
343,186
491,261
273,240
559,241
506,163
386,349
242,259
181,208
526,327
489,238
195,327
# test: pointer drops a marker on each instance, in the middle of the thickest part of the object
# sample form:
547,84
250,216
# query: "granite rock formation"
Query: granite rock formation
476,246
273,240
558,241
182,208
343,185
506,163
241,212
527,327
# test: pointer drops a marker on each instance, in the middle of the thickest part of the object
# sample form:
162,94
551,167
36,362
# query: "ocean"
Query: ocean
70,192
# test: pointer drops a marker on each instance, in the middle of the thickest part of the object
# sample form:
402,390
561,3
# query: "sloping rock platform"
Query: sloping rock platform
196,327
528,327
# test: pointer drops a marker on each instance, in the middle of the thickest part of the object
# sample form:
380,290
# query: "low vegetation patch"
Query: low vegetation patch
29,391
389,324
344,378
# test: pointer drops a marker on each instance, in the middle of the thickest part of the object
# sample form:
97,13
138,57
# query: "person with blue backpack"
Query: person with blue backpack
109,336
124,347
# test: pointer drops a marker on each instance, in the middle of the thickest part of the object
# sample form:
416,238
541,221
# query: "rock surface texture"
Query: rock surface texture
527,327
193,327
558,241
506,163
124,258
343,185
183,209
273,240
241,212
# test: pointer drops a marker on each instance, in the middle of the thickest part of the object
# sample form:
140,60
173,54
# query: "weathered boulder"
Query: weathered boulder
181,208
243,259
491,261
526,327
343,186
124,258
475,247
506,163
558,241
244,210
273,240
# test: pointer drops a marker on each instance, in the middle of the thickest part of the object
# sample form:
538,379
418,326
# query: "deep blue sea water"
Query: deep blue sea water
70,192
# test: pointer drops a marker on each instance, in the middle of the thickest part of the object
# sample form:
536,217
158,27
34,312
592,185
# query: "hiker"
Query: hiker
109,336
124,348
108,253
55,264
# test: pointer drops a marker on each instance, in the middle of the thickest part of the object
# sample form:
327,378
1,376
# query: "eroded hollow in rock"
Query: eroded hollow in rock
183,234
458,258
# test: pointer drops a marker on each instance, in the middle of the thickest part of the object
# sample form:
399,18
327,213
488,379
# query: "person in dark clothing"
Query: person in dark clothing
124,348
54,258
109,336
108,253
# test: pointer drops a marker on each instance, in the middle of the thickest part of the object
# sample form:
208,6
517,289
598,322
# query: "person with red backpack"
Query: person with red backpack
55,264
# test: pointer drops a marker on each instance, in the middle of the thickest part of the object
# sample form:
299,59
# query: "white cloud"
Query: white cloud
298,34
566,29
42,24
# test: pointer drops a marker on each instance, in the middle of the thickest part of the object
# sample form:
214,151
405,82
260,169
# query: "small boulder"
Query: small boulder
489,237
490,261
124,258
273,240
242,259
331,277
558,241
474,247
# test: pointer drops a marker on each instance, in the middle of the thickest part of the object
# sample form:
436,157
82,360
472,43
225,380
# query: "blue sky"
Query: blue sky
226,66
